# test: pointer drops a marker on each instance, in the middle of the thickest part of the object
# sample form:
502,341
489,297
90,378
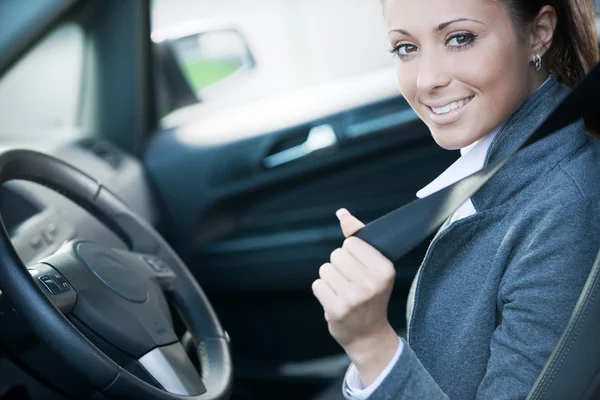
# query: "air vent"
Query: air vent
103,150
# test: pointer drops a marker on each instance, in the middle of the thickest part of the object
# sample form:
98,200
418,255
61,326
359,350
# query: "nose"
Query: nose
433,73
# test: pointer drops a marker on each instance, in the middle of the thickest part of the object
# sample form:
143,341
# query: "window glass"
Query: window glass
210,57
41,91
291,43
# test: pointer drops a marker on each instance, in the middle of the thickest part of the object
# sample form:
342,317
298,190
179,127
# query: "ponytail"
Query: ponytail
574,51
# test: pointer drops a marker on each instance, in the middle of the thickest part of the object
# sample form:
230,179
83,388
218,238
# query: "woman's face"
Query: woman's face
461,65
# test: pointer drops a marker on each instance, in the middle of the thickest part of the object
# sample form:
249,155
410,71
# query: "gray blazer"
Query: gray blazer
496,289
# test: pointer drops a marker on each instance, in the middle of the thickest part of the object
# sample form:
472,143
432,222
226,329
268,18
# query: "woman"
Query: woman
502,275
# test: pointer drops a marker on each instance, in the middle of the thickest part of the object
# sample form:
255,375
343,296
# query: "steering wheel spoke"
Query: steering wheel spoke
171,367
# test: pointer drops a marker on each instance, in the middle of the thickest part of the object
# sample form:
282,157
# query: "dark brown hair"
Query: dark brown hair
574,49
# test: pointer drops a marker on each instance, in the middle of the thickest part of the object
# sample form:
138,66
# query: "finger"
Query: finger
334,278
349,223
334,307
351,268
368,256
325,294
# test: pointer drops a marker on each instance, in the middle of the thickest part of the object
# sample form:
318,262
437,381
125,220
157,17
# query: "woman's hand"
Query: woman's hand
354,290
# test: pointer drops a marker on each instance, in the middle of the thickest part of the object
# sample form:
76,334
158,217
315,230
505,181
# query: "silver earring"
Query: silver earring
537,62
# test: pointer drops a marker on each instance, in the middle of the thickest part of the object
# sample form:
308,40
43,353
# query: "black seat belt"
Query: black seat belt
573,369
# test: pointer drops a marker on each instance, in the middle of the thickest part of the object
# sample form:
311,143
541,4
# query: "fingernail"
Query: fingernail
341,212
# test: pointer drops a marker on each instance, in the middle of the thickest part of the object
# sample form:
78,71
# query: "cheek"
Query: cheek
406,74
484,67
501,66
499,73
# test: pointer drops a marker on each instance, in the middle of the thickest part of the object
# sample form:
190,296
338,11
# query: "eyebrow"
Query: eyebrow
439,27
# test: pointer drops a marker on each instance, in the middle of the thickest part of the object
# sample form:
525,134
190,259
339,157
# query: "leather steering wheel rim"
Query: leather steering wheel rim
56,330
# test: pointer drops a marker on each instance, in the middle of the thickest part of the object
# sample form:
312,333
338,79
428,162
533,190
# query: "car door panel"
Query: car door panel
255,237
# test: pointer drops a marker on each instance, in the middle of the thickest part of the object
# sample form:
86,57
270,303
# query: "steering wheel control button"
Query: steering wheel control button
50,284
157,265
62,297
52,228
61,282
50,233
36,242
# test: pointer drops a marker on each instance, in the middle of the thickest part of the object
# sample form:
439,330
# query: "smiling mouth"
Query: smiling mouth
451,106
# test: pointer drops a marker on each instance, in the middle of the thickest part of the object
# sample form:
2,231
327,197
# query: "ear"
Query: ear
542,30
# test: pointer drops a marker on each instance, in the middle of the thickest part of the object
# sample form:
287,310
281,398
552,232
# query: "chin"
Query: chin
451,140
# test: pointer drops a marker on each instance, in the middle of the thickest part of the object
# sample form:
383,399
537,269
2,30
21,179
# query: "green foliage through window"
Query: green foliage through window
203,73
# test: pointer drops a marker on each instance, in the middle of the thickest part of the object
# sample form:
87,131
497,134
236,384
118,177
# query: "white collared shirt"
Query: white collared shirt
471,160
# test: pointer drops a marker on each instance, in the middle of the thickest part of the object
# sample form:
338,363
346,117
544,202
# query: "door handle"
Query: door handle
319,137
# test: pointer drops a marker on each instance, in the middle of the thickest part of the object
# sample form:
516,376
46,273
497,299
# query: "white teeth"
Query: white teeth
452,106
441,110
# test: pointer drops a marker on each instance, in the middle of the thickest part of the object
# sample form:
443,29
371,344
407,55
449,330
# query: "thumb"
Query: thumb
349,223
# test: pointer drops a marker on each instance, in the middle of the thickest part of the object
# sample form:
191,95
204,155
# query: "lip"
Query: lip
449,117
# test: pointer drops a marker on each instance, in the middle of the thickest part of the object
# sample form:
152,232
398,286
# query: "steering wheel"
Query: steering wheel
119,296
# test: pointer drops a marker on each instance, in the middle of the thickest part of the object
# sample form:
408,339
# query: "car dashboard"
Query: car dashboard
39,220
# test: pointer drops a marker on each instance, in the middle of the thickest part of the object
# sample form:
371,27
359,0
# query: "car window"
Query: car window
280,45
269,46
41,91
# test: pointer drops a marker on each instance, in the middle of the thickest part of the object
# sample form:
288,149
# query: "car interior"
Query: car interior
159,245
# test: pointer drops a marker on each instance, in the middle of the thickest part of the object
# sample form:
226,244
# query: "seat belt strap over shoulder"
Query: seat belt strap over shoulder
398,232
